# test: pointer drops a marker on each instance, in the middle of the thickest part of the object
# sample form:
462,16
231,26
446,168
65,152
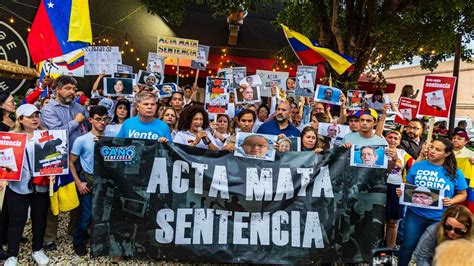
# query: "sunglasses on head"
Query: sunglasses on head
458,231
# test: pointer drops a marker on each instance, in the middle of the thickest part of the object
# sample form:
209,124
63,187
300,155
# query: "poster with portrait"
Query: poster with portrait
155,63
326,94
201,61
355,99
101,60
289,144
217,95
305,80
166,89
12,151
408,109
149,78
248,90
369,156
255,146
226,73
271,80
50,153
334,132
118,86
421,197
238,73
436,96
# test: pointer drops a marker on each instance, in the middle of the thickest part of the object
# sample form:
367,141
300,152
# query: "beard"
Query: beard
280,118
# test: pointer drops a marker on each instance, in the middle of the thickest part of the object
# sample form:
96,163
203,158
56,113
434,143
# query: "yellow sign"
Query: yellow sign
177,47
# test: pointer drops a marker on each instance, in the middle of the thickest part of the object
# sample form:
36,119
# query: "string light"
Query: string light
131,50
224,50
29,29
126,42
192,72
433,51
225,54
172,68
143,64
122,52
138,58
210,72
421,49
12,20
283,61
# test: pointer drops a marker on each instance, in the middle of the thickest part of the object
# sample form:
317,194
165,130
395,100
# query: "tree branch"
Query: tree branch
335,26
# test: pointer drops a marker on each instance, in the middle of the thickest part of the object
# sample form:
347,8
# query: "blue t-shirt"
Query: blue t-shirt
433,176
134,128
272,128
83,147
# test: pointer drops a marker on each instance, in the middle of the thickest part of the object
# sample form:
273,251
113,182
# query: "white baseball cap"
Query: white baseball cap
26,110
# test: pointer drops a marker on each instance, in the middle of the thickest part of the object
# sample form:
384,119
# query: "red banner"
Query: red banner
437,96
12,151
408,109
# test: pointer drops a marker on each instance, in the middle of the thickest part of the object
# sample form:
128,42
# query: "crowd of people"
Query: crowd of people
181,119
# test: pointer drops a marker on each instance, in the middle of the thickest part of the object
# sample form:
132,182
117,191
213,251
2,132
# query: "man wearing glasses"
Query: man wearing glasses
412,141
83,148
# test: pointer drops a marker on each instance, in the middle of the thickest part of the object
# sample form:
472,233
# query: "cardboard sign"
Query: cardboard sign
12,151
201,60
155,63
436,96
217,95
177,47
408,110
71,64
305,80
50,154
272,81
101,60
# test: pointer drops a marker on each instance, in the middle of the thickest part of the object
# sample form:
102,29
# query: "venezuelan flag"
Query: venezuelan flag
65,196
60,27
73,63
310,52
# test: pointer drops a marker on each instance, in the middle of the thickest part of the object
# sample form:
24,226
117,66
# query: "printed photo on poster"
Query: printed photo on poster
326,94
238,74
201,61
421,197
305,81
436,96
271,81
227,74
12,151
247,94
50,154
334,132
166,89
118,86
289,144
149,78
355,99
101,60
369,156
155,63
408,109
217,95
256,146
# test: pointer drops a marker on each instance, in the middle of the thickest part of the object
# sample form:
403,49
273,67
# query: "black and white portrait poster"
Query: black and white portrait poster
50,154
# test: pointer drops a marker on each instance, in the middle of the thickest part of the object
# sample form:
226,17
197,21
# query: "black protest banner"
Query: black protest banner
175,202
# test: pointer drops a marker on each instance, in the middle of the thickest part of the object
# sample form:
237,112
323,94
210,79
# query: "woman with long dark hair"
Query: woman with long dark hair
121,113
7,108
193,129
438,171
456,223
310,140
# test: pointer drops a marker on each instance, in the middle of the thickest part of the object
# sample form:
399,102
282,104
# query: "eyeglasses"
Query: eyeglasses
458,231
414,128
105,119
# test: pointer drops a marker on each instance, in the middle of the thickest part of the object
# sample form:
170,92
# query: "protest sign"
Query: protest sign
101,60
227,74
289,144
12,151
248,90
408,109
334,132
118,86
255,146
71,64
305,80
177,47
421,197
201,60
149,78
166,89
238,74
176,202
155,63
271,81
436,96
355,99
326,94
50,153
217,95
121,68
371,156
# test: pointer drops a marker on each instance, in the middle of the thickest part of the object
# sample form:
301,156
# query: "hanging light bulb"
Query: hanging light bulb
131,50
12,20
210,72
138,58
126,42
192,72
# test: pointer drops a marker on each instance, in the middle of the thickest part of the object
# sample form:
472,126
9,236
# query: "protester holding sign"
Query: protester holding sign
365,136
412,141
194,129
245,121
25,194
439,171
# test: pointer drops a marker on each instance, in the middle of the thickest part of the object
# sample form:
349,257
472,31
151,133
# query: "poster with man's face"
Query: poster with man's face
326,94
421,197
248,90
149,79
369,156
255,146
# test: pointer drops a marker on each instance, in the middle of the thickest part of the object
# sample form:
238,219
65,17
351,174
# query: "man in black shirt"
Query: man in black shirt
412,142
